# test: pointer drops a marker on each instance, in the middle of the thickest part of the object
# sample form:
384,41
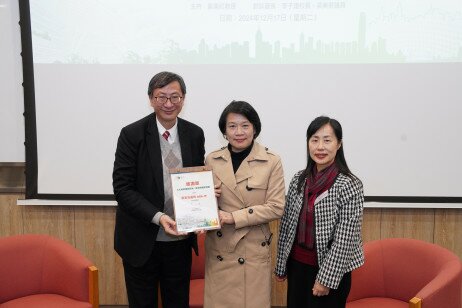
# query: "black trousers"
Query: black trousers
169,265
300,281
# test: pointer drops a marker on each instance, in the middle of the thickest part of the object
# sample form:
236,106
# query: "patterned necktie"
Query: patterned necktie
166,134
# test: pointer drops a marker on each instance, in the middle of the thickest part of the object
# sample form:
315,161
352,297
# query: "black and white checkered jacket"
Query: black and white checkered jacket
338,219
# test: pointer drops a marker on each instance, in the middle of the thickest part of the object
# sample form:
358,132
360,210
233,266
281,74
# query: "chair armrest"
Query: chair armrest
65,270
445,289
93,291
368,280
415,302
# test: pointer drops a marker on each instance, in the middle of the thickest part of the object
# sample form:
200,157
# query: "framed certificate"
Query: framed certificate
194,202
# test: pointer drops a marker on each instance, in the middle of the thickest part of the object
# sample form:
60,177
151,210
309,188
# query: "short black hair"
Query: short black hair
243,108
162,79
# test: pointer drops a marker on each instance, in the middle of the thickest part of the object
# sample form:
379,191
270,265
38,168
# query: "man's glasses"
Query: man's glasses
174,99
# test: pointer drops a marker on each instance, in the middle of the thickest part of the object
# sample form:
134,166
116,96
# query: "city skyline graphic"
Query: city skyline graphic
307,50
307,34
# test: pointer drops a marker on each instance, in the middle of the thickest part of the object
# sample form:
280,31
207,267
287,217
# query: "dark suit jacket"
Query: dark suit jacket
139,186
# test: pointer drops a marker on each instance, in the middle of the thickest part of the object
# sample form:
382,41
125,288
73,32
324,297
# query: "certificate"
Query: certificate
194,202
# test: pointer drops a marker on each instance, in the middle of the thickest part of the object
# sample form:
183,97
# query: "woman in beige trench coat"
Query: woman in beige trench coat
251,180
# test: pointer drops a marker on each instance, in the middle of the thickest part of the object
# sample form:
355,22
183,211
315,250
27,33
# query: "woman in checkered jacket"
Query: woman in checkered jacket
320,233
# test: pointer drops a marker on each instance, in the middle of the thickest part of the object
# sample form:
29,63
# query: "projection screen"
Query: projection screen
389,71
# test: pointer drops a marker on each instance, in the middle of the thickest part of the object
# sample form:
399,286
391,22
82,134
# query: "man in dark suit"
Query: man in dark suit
145,236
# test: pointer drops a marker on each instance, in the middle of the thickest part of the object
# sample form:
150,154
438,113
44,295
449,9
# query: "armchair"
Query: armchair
406,273
41,271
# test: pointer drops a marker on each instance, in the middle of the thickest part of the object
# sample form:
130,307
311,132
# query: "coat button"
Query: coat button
250,211
219,234
220,258
241,260
263,244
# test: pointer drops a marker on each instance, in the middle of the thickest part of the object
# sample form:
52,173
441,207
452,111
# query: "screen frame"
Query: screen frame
31,134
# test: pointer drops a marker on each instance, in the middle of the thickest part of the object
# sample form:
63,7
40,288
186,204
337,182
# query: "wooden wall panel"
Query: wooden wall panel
94,229
57,221
11,222
408,223
371,224
278,289
448,229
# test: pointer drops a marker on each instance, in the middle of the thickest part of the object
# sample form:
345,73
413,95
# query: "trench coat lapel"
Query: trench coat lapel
224,172
243,172
155,155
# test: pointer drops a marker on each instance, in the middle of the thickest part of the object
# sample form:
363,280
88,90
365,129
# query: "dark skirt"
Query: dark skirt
301,278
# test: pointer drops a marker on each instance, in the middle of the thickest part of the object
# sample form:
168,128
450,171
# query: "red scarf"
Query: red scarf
315,185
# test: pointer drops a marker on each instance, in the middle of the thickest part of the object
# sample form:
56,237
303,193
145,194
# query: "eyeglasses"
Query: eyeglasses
174,99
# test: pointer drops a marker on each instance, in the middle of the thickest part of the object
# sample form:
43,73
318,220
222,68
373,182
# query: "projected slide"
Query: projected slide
389,71
203,32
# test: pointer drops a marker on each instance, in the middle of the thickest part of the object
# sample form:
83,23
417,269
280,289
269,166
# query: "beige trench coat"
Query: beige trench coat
238,257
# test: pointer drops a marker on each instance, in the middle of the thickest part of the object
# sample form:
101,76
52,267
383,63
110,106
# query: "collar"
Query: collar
173,131
258,152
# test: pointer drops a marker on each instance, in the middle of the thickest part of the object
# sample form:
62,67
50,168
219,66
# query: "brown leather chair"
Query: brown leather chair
405,273
41,271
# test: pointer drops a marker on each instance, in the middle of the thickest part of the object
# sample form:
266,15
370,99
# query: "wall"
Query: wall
11,91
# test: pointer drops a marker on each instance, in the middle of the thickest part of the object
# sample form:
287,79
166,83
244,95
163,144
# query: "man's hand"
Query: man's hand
169,225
